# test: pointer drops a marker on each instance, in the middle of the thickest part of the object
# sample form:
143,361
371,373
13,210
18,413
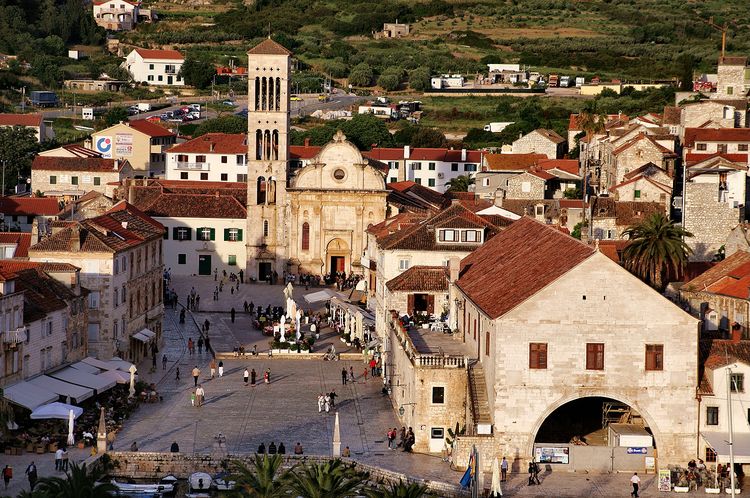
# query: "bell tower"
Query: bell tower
269,72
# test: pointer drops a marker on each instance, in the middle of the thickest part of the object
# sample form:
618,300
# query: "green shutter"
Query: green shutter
175,233
239,234
226,234
189,233
213,234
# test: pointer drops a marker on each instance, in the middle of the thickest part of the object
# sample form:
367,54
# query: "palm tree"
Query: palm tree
655,245
400,490
263,480
460,183
77,483
332,479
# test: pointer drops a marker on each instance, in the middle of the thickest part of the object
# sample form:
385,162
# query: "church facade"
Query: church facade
312,219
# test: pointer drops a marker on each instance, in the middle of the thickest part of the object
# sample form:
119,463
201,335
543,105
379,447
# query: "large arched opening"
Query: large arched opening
337,256
597,433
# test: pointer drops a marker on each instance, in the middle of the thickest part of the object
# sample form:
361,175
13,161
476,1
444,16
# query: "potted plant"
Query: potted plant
682,485
712,484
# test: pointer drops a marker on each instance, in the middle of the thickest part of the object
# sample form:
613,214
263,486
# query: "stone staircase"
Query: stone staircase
480,408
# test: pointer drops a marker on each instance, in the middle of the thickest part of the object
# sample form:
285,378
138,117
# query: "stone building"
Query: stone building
72,177
541,141
392,30
550,321
120,255
528,185
140,142
649,183
712,112
714,203
610,217
733,78
630,156
311,219
419,290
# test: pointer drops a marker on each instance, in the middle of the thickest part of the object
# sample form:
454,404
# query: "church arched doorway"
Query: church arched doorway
337,256
594,433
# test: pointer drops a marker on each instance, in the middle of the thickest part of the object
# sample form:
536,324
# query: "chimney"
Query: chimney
307,142
499,197
87,143
407,152
131,193
736,333
116,164
463,155
211,146
35,231
124,224
454,265
76,238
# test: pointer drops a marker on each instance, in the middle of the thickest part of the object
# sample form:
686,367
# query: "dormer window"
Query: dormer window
470,236
447,235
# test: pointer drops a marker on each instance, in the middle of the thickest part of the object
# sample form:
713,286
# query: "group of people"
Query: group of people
198,397
281,450
250,376
191,345
406,440
193,300
342,280
326,401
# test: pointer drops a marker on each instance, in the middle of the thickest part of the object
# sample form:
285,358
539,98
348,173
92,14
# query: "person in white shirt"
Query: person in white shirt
58,459
635,481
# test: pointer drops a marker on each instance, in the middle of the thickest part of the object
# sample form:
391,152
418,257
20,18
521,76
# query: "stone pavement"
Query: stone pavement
45,467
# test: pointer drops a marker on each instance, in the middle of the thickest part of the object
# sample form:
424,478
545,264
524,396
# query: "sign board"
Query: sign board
124,139
637,451
103,145
87,113
665,480
650,463
552,454
124,150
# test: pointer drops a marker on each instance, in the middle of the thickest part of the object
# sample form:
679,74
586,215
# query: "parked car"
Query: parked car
228,103
295,98
195,107
133,110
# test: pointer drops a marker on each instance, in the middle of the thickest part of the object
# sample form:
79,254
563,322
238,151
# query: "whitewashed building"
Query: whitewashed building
215,157
155,67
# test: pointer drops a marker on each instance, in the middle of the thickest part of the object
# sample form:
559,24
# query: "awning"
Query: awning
118,376
86,368
82,378
719,441
316,297
28,395
148,333
76,393
139,337
56,410
120,364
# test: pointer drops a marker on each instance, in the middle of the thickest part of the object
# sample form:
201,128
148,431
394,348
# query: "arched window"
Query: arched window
271,190
263,93
275,144
266,144
258,144
260,194
305,236
265,228
271,99
278,94
257,93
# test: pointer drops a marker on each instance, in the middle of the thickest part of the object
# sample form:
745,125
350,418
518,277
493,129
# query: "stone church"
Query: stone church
311,219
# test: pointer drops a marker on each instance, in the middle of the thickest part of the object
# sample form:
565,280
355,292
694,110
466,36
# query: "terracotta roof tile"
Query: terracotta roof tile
721,352
640,137
413,189
29,206
214,143
517,263
420,279
722,135
149,128
303,152
672,115
693,158
22,240
160,54
568,165
82,164
550,135
512,162
196,206
269,47
7,119
735,266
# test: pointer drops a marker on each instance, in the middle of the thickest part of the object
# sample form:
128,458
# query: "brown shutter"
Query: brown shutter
430,303
410,304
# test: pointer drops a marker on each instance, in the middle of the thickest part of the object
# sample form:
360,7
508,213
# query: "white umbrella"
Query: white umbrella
298,324
282,328
496,490
71,418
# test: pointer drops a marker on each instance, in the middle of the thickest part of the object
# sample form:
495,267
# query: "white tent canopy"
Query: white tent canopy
56,410
85,367
29,395
100,364
316,297
719,441
82,378
120,364
77,393
116,375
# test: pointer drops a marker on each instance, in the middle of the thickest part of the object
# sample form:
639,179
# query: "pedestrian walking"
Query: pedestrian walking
344,376
177,374
164,362
245,376
216,274
327,403
253,374
504,470
200,345
207,344
364,374
206,325
351,375
242,276
65,459
197,302
231,314
267,376
196,373
31,474
391,436
636,482
7,475
190,345
153,362
531,474
321,402
192,398
221,369
212,366
199,396
58,459
333,396
373,365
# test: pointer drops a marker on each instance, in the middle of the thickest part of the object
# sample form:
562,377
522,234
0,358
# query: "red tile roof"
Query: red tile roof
7,119
693,158
214,143
395,223
423,154
149,128
82,164
303,151
730,277
568,165
269,47
642,136
14,265
22,240
417,191
672,115
517,263
550,135
722,352
512,162
721,135
195,206
656,184
420,279
159,54
29,206
541,174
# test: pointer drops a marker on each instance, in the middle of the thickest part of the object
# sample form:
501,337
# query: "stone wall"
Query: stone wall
146,465
535,143
709,220
694,115
730,81
534,187
647,190
642,152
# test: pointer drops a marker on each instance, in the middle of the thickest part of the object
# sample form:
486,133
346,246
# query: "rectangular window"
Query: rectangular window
487,343
538,355
97,181
701,146
160,78
595,356
737,383
742,147
242,178
224,159
416,166
710,454
240,160
224,177
454,166
205,234
447,235
204,176
93,331
183,175
94,300
721,148
151,67
654,357
470,236
637,194
438,395
150,77
181,233
53,180
181,259
233,234
403,264
232,260
712,415
418,181
431,166
393,180
470,167
485,182
431,182
730,90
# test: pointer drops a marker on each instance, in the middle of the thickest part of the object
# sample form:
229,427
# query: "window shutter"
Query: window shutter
213,234
430,303
166,234
189,234
226,234
410,304
239,234
175,233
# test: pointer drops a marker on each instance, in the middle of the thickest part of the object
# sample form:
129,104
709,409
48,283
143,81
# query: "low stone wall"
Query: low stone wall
146,465
221,355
